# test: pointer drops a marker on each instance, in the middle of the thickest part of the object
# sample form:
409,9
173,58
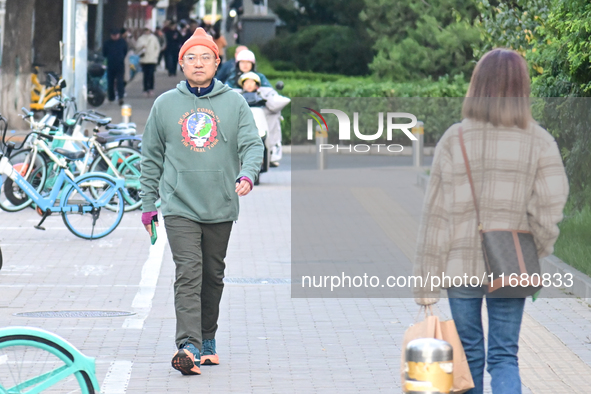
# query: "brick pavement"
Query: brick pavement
268,342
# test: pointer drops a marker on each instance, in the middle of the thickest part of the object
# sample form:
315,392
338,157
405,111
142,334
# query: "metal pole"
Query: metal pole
2,14
224,16
98,29
69,23
321,138
126,113
417,146
214,11
81,55
201,9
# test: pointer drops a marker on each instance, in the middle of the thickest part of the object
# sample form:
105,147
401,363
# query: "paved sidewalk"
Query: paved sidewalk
140,103
268,342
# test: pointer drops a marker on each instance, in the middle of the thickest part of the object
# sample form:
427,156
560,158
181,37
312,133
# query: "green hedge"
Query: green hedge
328,85
313,84
573,245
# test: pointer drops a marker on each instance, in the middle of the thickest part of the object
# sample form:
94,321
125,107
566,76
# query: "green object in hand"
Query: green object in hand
154,236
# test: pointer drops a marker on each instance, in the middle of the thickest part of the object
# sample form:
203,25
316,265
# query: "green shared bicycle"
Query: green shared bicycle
34,361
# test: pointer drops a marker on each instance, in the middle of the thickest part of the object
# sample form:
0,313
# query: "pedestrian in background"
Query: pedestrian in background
220,40
131,60
173,44
192,163
227,68
185,31
519,183
162,41
245,62
115,50
148,49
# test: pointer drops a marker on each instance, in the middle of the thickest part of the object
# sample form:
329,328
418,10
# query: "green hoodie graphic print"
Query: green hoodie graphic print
193,151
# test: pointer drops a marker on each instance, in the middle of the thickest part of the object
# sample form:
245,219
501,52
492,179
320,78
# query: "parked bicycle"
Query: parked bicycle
80,200
40,166
34,361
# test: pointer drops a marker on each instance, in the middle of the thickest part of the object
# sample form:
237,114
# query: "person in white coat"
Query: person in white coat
148,48
275,103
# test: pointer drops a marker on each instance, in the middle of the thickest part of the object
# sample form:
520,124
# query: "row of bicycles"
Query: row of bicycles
81,166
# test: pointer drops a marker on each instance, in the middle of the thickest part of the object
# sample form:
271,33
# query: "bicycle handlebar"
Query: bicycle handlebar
46,136
5,121
96,118
95,112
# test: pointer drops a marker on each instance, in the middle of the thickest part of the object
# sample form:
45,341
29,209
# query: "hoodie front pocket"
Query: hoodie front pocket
203,193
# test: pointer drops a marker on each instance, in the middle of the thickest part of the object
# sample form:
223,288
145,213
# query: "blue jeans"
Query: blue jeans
504,323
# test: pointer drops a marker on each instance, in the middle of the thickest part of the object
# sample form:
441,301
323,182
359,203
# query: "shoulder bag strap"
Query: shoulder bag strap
467,163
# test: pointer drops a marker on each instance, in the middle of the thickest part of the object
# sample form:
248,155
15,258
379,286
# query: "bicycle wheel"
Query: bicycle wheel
30,364
127,162
12,197
93,221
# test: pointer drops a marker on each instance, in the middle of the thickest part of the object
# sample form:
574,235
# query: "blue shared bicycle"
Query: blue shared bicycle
82,200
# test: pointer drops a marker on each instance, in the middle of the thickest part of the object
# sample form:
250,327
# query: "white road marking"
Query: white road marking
117,378
142,302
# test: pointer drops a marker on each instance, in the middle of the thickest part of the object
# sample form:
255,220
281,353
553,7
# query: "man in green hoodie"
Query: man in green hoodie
200,142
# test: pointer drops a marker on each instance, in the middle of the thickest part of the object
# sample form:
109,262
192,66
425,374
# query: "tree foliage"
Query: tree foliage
555,38
318,12
417,39
322,36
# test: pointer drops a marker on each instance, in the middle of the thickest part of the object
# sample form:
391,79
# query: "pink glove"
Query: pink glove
147,217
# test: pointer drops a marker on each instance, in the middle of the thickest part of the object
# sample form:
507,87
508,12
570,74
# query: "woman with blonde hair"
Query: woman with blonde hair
519,183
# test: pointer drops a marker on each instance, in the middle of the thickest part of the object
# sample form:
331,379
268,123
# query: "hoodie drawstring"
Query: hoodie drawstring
219,129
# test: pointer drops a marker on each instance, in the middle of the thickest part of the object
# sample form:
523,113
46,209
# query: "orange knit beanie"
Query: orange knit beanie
200,37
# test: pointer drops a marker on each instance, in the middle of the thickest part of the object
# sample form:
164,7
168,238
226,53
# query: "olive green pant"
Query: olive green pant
198,251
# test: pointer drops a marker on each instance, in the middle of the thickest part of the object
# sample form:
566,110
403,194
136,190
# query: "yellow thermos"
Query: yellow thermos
429,366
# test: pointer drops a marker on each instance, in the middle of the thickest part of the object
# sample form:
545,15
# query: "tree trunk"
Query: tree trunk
15,85
48,34
92,11
184,8
115,12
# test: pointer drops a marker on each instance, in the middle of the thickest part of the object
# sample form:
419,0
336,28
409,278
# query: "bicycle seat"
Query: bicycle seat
107,137
122,132
70,154
103,122
121,126
94,119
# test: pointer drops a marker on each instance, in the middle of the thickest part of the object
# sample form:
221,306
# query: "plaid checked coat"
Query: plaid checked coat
520,183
